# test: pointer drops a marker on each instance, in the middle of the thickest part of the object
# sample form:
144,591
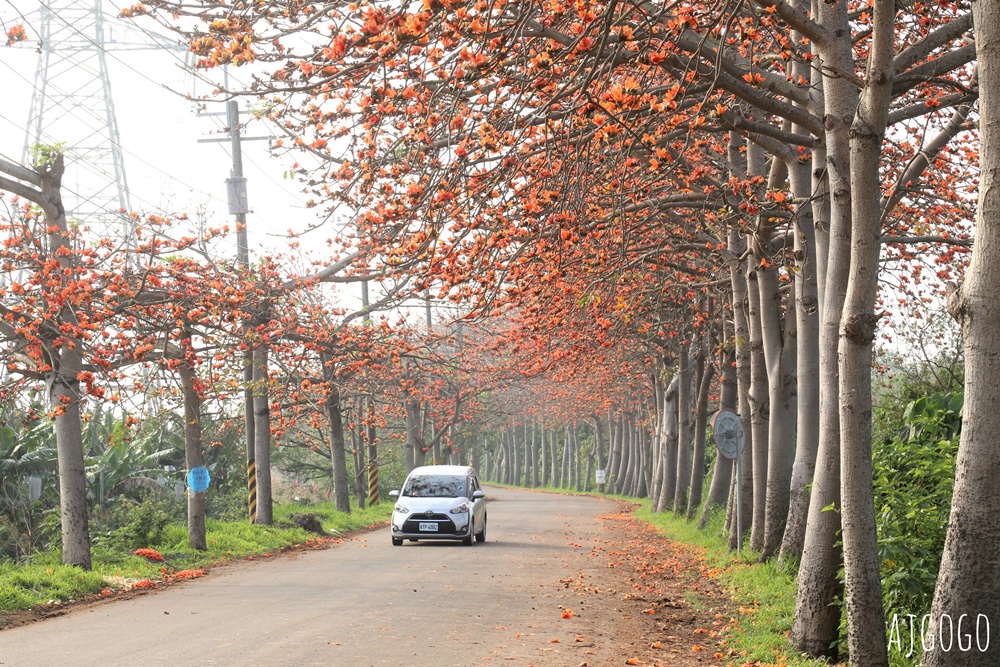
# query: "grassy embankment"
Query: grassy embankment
763,593
44,580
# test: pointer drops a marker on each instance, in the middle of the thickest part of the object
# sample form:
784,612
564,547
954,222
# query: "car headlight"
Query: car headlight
461,509
401,508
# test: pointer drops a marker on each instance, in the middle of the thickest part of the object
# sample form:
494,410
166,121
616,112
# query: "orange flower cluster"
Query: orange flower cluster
16,34
188,574
149,554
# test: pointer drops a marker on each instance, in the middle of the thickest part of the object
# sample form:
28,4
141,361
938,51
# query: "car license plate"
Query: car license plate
428,527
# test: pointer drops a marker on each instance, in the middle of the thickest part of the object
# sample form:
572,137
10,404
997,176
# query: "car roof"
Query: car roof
442,470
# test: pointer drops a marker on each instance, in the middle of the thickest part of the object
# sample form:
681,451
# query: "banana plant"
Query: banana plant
27,485
120,464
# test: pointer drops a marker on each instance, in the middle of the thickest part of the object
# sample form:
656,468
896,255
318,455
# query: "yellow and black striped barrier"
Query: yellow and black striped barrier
373,493
252,489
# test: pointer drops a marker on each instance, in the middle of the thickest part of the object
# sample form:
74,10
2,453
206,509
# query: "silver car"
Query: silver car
440,503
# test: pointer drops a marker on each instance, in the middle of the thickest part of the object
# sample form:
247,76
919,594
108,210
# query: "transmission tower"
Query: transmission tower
72,107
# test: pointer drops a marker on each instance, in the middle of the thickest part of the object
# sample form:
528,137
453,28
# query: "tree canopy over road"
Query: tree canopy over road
633,211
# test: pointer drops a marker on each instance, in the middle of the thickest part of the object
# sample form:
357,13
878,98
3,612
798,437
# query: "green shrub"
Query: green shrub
913,477
133,525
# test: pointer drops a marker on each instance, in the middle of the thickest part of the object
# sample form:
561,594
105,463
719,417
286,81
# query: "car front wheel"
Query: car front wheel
397,541
481,535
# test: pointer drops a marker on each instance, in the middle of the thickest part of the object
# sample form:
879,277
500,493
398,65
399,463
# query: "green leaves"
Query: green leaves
913,475
45,154
940,414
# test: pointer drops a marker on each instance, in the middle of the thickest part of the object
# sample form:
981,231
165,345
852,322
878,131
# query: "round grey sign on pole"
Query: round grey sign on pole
729,435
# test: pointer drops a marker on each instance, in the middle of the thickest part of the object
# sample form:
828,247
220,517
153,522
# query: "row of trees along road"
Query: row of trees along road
653,206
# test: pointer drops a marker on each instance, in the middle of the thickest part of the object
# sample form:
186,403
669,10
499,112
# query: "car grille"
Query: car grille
443,521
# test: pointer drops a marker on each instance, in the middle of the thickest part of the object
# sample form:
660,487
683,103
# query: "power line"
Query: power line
90,127
95,125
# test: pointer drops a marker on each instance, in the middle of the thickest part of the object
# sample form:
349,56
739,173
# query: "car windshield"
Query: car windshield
435,486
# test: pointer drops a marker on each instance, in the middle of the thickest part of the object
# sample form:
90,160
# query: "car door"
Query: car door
478,505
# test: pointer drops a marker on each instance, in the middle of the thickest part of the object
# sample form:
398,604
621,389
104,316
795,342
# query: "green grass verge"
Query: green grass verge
45,580
763,593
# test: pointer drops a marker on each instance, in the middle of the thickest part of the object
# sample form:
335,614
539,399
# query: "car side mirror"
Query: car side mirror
394,494
476,495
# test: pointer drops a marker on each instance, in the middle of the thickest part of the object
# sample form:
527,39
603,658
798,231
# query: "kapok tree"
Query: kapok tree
453,97
46,317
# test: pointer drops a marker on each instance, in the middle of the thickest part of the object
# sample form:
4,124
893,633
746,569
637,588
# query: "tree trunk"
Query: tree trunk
338,453
567,452
414,444
759,412
631,456
599,448
703,380
738,266
436,455
543,445
731,518
779,355
536,455
810,217
638,446
577,458
358,453
262,435
817,617
807,364
646,472
420,454
722,473
534,452
969,576
621,470
517,456
194,455
669,452
657,455
63,381
64,398
614,447
503,458
524,451
863,587
686,374
488,460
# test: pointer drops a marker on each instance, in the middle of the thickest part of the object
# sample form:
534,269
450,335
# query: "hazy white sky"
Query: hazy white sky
166,166
168,170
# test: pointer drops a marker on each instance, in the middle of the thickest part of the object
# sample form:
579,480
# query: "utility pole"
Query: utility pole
236,191
369,428
236,195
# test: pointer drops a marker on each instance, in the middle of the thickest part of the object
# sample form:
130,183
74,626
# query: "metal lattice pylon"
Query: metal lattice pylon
72,106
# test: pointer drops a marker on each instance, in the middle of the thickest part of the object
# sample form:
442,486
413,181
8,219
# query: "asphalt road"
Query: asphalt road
363,602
